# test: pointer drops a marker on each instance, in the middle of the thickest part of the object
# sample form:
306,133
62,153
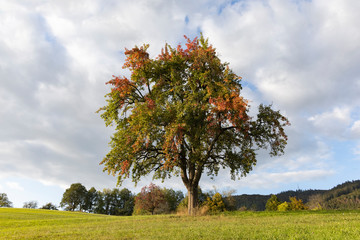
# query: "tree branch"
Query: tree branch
132,85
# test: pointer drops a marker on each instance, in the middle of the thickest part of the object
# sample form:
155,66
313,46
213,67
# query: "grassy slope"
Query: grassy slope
44,224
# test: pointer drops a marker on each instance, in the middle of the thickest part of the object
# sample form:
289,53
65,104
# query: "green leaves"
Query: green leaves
268,130
74,197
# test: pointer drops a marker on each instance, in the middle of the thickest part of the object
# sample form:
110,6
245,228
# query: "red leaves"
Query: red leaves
233,108
191,45
150,199
136,57
125,167
150,103
121,85
165,54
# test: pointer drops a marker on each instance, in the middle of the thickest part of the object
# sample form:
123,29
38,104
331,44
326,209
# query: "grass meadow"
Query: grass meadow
46,224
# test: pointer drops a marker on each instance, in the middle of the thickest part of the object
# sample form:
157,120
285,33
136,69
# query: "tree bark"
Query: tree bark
190,175
192,199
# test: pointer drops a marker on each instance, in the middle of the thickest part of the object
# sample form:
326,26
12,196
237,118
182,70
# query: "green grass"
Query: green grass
45,224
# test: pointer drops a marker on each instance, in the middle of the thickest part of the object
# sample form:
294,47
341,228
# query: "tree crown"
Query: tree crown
182,113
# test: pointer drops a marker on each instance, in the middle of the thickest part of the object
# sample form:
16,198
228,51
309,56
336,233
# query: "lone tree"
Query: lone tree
182,114
151,199
30,204
4,201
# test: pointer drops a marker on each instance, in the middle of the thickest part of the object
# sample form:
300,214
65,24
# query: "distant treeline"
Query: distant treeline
123,202
109,201
155,200
343,196
152,199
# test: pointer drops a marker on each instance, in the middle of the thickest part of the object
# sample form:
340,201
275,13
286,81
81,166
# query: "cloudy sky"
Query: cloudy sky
55,57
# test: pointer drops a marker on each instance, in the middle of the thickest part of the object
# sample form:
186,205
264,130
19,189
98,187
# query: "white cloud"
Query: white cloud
294,52
267,180
355,129
61,55
334,123
56,56
14,186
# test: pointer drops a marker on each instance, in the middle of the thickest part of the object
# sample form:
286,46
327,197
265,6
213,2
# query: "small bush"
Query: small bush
316,202
283,207
272,204
215,204
296,204
229,200
243,209
140,211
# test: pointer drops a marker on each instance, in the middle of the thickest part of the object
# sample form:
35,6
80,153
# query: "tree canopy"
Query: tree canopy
151,199
49,206
30,204
182,114
74,198
273,203
4,200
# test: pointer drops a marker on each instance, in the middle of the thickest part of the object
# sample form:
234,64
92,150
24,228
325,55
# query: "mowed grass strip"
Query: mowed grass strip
45,224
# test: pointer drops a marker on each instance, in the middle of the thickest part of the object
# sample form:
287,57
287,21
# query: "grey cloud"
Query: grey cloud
295,53
55,77
302,56
57,56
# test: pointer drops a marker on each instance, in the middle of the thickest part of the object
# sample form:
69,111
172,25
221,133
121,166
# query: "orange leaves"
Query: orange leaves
180,51
165,54
150,103
139,142
125,167
191,45
121,85
231,108
136,57
219,103
122,88
232,103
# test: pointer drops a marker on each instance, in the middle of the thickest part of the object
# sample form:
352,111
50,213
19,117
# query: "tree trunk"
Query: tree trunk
192,199
191,181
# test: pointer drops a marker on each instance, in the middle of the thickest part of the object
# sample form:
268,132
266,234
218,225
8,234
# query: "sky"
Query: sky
55,57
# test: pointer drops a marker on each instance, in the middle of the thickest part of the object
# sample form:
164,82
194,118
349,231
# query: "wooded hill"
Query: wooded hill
342,196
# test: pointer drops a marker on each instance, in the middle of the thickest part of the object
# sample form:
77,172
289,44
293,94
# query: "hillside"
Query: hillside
342,196
46,224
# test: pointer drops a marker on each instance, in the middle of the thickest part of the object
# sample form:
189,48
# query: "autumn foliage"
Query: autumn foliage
151,200
215,203
273,204
182,114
